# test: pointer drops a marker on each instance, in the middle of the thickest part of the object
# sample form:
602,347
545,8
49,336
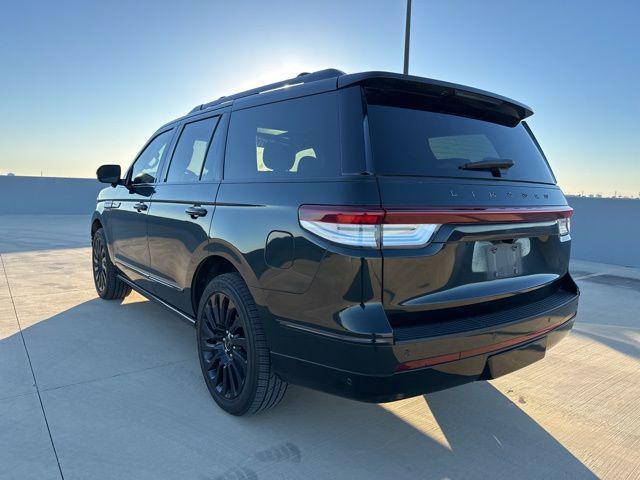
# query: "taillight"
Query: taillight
364,227
375,227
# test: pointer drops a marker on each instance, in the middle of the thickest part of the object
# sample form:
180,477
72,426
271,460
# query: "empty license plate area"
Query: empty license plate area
498,259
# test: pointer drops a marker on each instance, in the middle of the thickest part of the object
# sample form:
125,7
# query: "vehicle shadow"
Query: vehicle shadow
123,394
472,431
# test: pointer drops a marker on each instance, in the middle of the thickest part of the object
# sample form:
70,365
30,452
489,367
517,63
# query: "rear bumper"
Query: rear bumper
406,367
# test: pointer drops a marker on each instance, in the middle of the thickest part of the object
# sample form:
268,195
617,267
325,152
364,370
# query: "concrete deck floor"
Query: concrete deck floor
95,389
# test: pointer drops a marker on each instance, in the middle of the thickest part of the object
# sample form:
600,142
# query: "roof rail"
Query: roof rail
301,78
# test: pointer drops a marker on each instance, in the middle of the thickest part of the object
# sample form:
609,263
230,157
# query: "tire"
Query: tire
105,273
230,338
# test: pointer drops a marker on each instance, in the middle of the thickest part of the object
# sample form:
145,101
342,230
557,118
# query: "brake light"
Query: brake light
364,227
376,227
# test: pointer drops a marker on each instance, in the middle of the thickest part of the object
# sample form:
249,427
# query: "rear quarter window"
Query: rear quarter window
296,138
409,141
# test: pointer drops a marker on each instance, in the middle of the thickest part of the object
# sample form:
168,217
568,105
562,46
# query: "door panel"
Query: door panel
183,206
127,220
127,216
177,238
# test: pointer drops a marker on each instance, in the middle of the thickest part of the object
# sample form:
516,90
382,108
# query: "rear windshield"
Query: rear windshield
419,142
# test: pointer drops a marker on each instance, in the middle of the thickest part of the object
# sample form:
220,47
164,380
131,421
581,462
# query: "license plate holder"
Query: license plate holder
504,260
506,362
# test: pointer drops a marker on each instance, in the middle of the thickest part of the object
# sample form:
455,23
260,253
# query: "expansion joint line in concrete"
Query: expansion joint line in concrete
35,382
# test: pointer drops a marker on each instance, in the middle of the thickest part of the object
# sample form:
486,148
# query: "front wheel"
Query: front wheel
233,349
105,275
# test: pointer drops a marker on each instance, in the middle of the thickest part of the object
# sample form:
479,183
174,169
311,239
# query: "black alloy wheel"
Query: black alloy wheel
99,260
105,273
223,346
233,350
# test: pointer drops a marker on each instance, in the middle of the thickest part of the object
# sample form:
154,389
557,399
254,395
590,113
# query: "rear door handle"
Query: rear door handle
195,212
140,207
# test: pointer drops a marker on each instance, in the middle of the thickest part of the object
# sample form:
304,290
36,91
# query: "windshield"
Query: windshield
409,141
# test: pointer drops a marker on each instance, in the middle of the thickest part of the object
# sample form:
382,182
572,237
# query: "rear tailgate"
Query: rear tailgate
470,263
497,244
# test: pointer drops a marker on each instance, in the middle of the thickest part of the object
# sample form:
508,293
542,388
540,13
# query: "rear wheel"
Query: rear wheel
105,274
233,350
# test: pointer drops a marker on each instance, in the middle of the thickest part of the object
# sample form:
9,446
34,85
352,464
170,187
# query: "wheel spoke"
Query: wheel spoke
212,323
230,316
240,364
218,376
234,382
208,313
208,347
216,310
239,342
225,380
224,307
216,355
235,323
207,330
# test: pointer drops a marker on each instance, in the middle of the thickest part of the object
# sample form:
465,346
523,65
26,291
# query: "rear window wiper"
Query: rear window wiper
494,165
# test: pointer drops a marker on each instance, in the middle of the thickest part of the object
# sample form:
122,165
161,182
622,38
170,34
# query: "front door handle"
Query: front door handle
140,207
195,212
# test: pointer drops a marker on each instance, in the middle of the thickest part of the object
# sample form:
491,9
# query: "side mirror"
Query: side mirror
109,174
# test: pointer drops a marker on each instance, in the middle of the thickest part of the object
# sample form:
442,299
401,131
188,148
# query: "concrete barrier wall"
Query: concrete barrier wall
604,230
47,195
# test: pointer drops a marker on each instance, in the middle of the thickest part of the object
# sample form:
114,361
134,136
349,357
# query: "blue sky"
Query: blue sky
86,83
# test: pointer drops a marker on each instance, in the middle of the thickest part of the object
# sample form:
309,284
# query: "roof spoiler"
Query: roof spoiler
441,96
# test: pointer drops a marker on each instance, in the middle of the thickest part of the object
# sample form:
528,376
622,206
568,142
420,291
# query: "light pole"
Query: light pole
407,36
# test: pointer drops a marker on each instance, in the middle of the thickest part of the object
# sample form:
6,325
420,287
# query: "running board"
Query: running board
183,316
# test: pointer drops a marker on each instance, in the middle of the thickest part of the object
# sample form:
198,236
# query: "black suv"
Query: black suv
372,235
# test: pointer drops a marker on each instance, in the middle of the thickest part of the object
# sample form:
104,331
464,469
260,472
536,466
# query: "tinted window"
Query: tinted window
191,150
418,142
145,168
291,139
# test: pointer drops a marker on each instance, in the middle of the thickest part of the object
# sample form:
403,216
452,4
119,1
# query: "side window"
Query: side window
191,150
296,138
145,168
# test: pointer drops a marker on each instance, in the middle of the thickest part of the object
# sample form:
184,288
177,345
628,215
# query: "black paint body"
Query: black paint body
343,319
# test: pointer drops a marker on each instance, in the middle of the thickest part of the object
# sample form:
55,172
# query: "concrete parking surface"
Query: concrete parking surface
91,389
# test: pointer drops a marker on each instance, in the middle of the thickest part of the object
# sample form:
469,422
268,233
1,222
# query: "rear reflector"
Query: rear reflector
564,226
376,227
